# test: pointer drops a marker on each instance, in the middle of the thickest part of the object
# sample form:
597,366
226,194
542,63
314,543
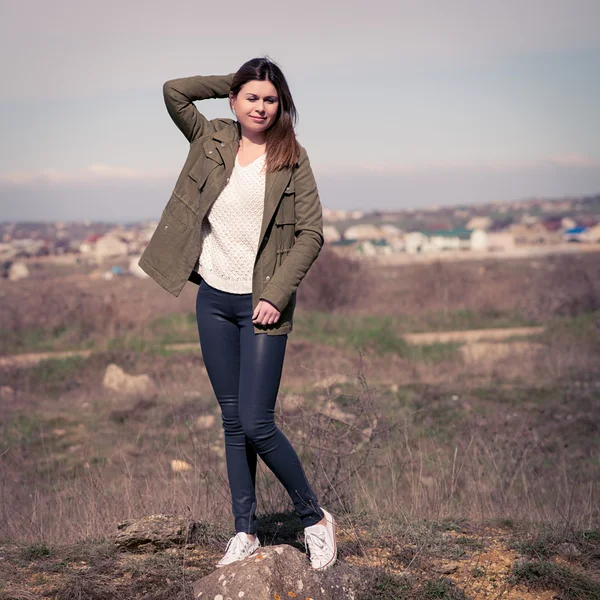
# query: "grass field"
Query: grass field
464,469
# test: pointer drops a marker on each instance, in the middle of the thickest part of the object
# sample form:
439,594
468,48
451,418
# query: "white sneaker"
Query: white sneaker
321,543
238,548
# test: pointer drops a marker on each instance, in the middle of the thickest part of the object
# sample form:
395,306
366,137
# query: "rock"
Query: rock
205,421
446,568
18,270
117,380
569,549
6,392
179,466
292,403
157,532
327,382
277,572
331,410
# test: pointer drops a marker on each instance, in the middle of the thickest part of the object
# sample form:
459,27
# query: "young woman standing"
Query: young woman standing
261,229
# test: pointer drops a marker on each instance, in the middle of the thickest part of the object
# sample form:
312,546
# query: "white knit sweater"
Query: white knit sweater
231,228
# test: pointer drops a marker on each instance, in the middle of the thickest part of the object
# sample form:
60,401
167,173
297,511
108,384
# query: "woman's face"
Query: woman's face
256,105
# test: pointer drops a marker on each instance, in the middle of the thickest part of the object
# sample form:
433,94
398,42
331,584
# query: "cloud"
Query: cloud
94,173
112,194
105,173
564,160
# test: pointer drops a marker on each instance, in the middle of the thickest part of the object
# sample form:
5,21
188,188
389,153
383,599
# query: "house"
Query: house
363,232
576,234
479,223
415,242
390,231
331,234
452,239
110,245
593,234
532,234
500,240
418,242
479,240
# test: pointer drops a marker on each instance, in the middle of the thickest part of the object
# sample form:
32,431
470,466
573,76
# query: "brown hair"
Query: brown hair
283,149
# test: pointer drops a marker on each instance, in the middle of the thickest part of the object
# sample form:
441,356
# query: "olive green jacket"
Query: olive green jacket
291,235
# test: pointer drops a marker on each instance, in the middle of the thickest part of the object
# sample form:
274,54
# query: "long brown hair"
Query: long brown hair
283,149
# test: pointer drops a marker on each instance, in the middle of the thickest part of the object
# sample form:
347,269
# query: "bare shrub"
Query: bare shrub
333,282
565,286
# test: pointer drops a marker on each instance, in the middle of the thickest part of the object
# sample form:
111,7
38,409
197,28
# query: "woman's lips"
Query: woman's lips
257,118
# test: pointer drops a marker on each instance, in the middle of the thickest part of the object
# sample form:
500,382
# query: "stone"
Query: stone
278,572
158,532
179,466
205,421
6,392
330,381
18,270
117,380
446,568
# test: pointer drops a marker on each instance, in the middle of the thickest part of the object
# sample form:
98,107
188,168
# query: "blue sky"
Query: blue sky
402,104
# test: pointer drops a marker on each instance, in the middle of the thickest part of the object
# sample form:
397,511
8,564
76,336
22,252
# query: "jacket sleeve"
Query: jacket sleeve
309,238
179,95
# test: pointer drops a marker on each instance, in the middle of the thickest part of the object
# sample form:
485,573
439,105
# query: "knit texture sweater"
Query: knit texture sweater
231,228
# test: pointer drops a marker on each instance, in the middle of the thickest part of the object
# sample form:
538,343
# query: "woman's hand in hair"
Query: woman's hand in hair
265,313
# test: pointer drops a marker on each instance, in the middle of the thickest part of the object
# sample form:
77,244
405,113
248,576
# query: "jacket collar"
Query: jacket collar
232,132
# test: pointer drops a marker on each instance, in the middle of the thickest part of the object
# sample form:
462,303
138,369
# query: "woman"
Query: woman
254,201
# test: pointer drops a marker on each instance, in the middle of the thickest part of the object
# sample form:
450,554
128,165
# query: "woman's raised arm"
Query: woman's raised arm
179,95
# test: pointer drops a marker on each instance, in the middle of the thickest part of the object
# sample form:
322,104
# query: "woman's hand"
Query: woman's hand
265,313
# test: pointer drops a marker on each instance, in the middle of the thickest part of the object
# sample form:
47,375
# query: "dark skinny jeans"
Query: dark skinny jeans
245,371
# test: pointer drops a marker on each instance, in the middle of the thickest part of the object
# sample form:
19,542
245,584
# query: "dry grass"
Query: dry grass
391,437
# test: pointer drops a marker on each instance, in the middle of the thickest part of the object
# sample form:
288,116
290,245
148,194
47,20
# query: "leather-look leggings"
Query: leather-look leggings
245,371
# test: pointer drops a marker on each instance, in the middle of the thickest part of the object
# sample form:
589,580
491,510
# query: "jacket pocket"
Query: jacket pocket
281,256
286,213
209,159
200,171
172,241
285,220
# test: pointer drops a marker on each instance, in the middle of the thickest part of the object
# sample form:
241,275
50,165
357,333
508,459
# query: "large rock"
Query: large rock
275,573
156,532
18,270
131,385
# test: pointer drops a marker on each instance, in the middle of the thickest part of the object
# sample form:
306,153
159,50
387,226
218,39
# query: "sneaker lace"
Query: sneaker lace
235,546
317,543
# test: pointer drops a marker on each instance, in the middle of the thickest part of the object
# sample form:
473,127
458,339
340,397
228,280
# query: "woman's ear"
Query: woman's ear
232,101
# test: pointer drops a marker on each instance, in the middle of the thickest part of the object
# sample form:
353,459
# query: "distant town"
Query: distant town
486,229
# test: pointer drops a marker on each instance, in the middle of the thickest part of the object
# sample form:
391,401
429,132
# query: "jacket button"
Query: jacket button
287,189
267,278
210,151
166,226
223,144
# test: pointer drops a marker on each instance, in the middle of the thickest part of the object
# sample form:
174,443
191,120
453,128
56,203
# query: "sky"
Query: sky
402,104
